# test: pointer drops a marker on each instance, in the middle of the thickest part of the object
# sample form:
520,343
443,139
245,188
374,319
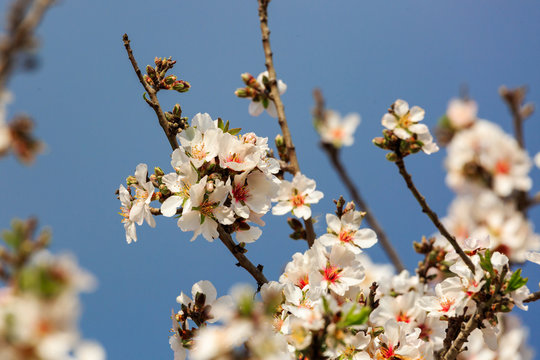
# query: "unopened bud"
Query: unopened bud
527,110
243,226
380,142
158,171
177,110
279,141
298,235
169,80
349,207
247,78
148,79
242,92
210,186
151,72
391,156
295,224
181,86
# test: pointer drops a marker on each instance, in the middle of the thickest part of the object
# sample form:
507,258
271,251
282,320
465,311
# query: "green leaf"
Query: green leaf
202,219
226,126
220,123
265,103
355,316
234,131
485,262
515,282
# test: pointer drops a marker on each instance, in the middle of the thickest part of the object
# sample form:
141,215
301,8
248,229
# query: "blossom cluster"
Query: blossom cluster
39,312
490,173
332,302
219,178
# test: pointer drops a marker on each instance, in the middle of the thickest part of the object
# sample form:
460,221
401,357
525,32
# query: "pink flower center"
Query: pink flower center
331,273
297,200
502,167
446,304
303,281
240,192
233,157
338,133
387,352
403,317
346,236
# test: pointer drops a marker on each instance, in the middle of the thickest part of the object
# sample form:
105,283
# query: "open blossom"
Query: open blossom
205,210
337,131
346,232
205,288
144,190
257,107
127,203
201,140
297,197
404,122
484,156
178,183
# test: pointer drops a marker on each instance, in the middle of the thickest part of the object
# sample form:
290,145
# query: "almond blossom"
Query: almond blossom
296,197
346,232
404,123
205,210
257,106
337,131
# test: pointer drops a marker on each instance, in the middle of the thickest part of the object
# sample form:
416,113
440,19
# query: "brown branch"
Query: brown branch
22,23
430,213
333,154
243,261
533,297
274,93
153,102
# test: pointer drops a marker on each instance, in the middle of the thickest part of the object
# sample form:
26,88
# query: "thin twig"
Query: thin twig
430,213
20,33
225,237
333,154
274,93
243,261
533,297
153,102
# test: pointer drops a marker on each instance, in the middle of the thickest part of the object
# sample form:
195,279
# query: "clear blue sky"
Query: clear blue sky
88,107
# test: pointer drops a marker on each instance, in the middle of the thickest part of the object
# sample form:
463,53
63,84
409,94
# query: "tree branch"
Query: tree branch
274,93
243,261
22,23
153,102
430,213
533,297
333,155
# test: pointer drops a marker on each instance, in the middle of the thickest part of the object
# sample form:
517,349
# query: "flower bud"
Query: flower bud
249,138
158,171
177,110
169,80
380,142
350,207
181,86
295,224
391,157
210,186
247,78
151,72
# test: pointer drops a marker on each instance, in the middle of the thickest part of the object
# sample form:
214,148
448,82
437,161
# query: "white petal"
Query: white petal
389,121
255,108
401,107
205,287
416,114
169,206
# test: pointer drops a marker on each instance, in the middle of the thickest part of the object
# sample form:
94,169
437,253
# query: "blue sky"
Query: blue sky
89,110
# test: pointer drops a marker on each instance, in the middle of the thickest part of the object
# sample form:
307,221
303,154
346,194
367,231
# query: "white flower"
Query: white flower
533,256
179,185
204,210
296,197
404,123
237,155
336,131
144,191
206,288
484,156
201,140
257,107
129,226
461,113
346,232
252,191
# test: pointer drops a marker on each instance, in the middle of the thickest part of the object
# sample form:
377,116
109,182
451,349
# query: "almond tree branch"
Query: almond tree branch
153,102
333,155
533,297
224,236
243,261
274,92
22,23
430,213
